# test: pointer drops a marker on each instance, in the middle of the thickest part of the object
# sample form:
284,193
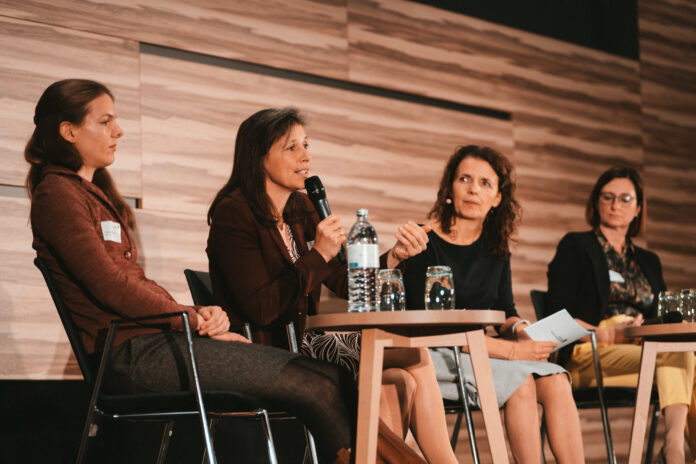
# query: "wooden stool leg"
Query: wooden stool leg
640,416
369,383
486,391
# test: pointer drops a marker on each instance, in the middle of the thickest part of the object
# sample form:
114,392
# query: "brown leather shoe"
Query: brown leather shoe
391,449
343,456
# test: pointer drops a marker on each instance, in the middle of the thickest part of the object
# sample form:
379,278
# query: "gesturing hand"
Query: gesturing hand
530,350
213,321
329,237
411,239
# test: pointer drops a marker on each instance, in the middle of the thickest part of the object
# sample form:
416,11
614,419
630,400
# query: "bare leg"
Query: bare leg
428,422
522,423
675,419
396,400
562,421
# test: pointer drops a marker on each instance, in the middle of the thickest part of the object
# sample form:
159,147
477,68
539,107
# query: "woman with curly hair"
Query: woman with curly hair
473,218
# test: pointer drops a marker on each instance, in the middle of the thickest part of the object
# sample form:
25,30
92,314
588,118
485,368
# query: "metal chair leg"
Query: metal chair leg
164,444
602,405
272,458
311,448
651,434
467,411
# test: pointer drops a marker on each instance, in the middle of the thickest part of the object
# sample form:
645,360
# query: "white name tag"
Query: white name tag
111,231
615,277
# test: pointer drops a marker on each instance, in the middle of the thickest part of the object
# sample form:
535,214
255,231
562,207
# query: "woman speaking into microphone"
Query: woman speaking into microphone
264,270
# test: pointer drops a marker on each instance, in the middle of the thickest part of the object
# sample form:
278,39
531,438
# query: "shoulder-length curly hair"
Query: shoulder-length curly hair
501,221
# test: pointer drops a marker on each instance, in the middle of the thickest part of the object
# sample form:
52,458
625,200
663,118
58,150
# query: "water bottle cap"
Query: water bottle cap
362,212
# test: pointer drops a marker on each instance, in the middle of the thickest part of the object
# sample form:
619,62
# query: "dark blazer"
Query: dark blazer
96,271
578,278
253,276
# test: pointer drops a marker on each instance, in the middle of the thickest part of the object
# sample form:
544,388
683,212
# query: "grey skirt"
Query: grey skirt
507,375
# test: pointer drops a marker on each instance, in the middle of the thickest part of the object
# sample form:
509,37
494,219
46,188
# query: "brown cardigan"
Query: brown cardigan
99,279
253,276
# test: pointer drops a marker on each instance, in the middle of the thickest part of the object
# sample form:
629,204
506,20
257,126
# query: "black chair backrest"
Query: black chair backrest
539,302
71,329
200,286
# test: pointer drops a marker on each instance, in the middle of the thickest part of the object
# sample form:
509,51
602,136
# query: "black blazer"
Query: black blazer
578,279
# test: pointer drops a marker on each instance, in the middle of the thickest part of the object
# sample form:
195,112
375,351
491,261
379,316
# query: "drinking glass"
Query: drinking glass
391,290
439,288
687,304
667,302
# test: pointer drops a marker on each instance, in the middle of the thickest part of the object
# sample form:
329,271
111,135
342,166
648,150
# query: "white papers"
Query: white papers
559,327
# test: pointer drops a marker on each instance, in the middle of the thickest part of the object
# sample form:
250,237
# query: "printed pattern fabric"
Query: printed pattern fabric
340,348
634,294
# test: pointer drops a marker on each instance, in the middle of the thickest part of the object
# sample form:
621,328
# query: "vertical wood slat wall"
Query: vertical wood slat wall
573,112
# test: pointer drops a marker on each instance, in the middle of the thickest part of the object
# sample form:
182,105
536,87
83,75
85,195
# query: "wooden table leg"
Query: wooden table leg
486,392
640,415
369,383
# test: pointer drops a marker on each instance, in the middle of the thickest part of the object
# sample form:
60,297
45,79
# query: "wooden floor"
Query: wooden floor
593,437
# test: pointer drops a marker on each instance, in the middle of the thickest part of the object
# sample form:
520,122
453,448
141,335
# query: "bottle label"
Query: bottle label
362,255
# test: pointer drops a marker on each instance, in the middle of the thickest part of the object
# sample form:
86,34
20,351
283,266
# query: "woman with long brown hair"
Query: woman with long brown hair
82,230
473,219
264,270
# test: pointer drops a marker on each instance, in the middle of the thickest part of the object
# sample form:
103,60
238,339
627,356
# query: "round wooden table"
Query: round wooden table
414,329
657,338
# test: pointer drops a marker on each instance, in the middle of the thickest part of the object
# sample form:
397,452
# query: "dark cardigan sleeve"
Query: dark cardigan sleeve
236,246
565,281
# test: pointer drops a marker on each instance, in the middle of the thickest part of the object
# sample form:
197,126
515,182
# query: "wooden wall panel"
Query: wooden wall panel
33,344
35,55
668,90
370,151
302,35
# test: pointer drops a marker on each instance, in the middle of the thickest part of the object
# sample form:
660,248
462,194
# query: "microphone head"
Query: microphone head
315,189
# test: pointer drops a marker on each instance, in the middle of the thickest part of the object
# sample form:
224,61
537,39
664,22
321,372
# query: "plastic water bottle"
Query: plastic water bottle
363,264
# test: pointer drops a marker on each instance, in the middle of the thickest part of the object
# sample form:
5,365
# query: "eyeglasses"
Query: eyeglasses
625,199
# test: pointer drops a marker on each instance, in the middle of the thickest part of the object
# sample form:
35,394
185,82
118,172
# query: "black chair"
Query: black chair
601,397
164,407
201,289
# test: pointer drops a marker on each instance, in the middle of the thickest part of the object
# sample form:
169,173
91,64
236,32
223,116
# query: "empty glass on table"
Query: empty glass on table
390,285
439,288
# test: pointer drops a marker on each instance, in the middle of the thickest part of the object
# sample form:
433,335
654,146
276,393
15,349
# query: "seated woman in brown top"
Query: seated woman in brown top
264,271
81,227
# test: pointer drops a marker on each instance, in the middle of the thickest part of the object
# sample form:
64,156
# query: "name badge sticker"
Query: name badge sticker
615,277
111,231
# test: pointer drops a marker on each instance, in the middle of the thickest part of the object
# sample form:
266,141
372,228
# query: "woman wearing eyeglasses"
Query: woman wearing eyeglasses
607,283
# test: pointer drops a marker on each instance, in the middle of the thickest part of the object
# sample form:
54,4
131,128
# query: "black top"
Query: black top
579,279
481,281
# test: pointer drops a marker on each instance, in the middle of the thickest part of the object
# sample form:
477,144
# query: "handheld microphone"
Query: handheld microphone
317,194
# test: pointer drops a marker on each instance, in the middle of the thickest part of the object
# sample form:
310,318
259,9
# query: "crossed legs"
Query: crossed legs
420,408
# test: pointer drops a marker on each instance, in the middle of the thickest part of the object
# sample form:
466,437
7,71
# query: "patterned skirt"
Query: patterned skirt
340,348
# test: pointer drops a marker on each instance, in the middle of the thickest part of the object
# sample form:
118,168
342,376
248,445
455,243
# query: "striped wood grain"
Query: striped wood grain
35,55
302,35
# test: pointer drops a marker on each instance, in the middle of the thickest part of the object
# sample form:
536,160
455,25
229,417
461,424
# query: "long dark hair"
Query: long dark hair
637,225
501,222
67,101
254,139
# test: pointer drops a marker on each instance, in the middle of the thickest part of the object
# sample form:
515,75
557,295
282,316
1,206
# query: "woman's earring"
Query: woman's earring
490,211
448,200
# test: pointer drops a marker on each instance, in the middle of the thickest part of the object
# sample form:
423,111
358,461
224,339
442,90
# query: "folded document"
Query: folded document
559,327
